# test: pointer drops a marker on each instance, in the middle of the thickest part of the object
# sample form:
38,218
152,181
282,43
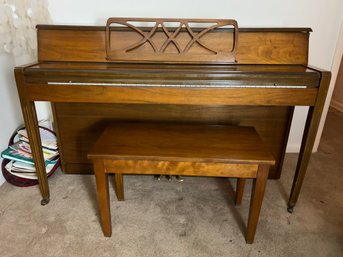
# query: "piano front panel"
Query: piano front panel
79,125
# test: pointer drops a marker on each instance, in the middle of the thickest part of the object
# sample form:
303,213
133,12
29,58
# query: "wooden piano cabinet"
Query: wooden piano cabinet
214,75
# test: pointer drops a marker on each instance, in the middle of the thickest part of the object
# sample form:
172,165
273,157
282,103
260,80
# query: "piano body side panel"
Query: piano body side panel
80,124
56,124
255,46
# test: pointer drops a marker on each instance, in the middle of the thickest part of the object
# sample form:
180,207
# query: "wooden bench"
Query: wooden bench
176,149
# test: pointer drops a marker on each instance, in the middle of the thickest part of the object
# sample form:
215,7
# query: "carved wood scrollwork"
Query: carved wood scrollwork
171,40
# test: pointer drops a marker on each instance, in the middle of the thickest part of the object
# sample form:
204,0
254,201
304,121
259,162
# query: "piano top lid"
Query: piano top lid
103,28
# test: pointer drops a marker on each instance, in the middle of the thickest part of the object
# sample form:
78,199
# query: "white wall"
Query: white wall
323,16
10,117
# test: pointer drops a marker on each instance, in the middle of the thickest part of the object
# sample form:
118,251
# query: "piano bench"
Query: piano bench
179,149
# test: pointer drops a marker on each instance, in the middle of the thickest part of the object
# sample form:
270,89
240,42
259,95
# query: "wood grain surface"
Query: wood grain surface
182,143
268,46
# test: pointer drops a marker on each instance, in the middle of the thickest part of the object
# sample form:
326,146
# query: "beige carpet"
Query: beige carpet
191,218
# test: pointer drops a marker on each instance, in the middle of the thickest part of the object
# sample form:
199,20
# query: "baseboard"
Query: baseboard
337,105
2,180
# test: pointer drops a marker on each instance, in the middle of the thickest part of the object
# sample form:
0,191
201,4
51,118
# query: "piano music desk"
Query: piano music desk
173,149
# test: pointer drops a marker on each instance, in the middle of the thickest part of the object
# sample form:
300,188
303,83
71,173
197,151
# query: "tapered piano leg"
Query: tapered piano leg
310,132
31,124
32,128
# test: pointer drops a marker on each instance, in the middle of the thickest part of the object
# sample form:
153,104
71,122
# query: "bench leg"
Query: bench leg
101,179
239,191
258,188
118,181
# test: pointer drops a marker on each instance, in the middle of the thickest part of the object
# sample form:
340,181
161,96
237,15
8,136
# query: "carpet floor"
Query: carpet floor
196,217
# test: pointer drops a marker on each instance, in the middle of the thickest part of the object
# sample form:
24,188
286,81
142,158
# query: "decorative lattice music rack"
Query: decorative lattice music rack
171,40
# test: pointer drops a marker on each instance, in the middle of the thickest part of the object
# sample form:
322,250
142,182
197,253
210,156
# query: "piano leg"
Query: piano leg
32,128
310,132
31,124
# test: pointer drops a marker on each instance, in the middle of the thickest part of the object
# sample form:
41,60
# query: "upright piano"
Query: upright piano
171,70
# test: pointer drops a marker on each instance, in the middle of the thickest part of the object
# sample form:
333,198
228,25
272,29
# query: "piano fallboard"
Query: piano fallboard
172,84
